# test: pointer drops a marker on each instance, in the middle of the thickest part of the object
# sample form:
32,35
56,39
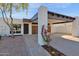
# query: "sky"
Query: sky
70,9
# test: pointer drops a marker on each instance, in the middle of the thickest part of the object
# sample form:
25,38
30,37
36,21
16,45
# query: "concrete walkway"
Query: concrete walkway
68,45
33,48
26,45
13,47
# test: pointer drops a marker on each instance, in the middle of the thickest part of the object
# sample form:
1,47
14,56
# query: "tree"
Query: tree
8,8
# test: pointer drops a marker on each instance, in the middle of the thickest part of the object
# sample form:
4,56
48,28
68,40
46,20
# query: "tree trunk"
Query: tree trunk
12,28
4,16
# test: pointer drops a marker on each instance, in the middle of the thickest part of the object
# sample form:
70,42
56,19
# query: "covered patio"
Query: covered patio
57,23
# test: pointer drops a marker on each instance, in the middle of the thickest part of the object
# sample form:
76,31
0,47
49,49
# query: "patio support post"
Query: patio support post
42,20
75,27
30,28
51,25
22,27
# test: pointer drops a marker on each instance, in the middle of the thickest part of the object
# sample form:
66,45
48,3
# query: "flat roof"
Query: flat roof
27,20
53,13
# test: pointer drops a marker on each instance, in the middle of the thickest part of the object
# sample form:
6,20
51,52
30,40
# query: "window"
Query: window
17,28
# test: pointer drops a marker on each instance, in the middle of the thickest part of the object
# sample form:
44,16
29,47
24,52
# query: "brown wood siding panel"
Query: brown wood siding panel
49,28
34,29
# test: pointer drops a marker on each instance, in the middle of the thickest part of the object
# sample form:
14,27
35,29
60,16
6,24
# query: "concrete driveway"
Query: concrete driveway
68,45
26,45
33,48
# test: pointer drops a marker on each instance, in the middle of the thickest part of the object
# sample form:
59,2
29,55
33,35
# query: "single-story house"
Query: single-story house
57,23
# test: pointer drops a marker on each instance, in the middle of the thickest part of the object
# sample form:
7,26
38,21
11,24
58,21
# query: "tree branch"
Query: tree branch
4,17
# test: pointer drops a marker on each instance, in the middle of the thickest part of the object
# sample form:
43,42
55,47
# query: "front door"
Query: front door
26,28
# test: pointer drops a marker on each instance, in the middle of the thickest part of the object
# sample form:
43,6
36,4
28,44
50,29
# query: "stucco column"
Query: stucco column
42,20
75,27
30,28
22,28
51,25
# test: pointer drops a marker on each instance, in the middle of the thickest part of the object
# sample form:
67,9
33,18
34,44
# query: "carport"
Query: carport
57,23
45,17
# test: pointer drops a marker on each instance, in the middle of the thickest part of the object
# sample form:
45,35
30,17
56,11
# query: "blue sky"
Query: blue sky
70,9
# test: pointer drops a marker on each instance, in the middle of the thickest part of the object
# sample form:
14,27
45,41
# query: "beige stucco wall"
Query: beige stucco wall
62,28
5,30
